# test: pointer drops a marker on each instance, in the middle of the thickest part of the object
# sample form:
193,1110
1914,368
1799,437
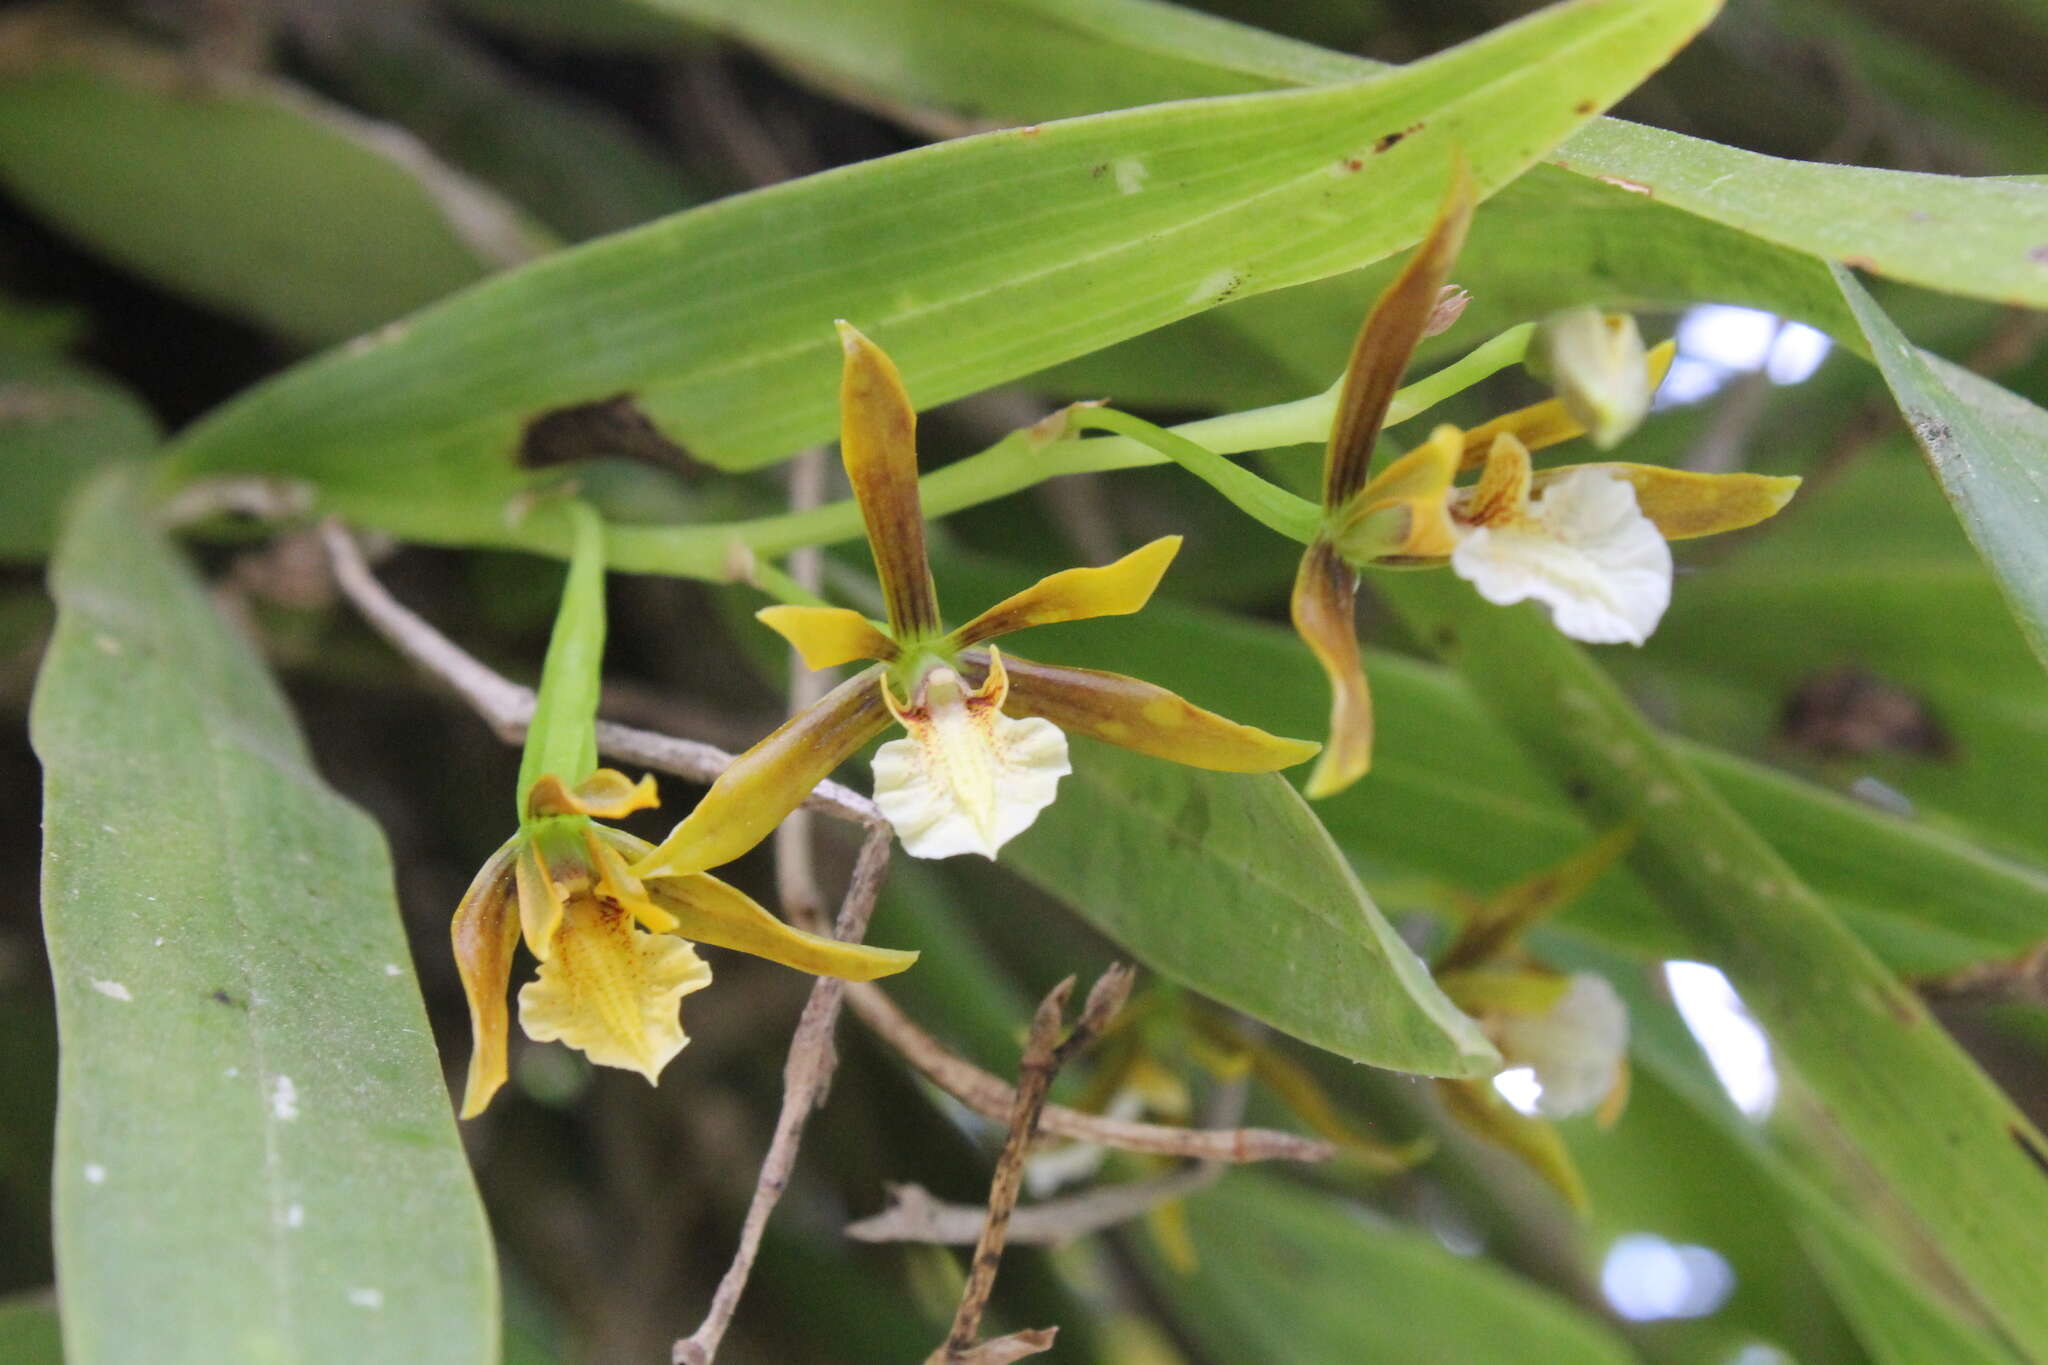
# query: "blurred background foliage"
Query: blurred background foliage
195,195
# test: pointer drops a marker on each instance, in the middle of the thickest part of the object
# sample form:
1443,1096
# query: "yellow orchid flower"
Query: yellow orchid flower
1588,541
986,731
616,951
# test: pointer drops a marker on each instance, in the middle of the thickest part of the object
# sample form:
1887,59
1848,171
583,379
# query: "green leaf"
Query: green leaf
29,1332
1452,799
238,191
1288,1275
1227,883
1985,444
715,323
256,1159
58,422
1024,59
1902,1126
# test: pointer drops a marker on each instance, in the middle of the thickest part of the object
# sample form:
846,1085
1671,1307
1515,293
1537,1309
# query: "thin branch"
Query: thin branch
805,1077
796,874
1044,1054
506,707
916,1215
993,1097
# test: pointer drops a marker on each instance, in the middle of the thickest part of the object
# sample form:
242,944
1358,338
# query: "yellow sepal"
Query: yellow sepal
484,934
1503,990
770,780
1323,609
827,637
878,444
1136,715
706,910
1075,595
1684,504
1479,1107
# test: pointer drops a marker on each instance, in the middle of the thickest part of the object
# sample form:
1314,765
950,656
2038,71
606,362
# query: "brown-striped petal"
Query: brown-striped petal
878,442
770,780
1323,607
484,933
827,637
1403,516
1548,423
1684,504
1139,716
1392,330
1076,595
1502,493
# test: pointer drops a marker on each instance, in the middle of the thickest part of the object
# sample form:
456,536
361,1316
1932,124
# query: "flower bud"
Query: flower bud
1596,364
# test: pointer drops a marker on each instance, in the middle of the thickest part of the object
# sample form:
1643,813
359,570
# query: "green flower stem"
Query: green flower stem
1270,506
1020,460
563,738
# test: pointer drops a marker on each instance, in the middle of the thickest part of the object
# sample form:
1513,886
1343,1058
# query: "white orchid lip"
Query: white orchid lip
1583,548
967,778
1576,1047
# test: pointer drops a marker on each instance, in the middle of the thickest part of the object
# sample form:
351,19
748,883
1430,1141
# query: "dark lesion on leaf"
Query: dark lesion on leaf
221,997
1851,712
2031,1146
614,428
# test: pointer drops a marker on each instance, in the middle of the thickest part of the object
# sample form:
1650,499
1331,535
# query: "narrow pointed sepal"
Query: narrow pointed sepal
1398,321
1076,595
1136,715
1684,504
878,443
613,991
770,780
541,905
826,637
704,909
1324,612
1479,1108
607,794
484,933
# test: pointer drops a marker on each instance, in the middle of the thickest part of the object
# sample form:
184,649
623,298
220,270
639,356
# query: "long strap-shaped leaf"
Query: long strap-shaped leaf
255,1155
974,262
1876,1102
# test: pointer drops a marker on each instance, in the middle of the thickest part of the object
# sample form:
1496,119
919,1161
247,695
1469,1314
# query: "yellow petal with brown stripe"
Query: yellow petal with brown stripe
1323,608
770,780
1136,715
484,932
878,443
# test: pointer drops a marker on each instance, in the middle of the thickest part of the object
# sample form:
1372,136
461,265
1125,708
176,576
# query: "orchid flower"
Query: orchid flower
1587,541
1569,1029
615,950
986,731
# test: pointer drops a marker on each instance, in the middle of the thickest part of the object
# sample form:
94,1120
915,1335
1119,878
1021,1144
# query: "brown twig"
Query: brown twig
993,1097
916,1215
805,1077
796,877
1044,1054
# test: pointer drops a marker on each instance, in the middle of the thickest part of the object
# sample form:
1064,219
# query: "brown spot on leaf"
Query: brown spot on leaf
1096,172
1352,163
1859,263
612,428
1391,139
1584,107
1851,712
